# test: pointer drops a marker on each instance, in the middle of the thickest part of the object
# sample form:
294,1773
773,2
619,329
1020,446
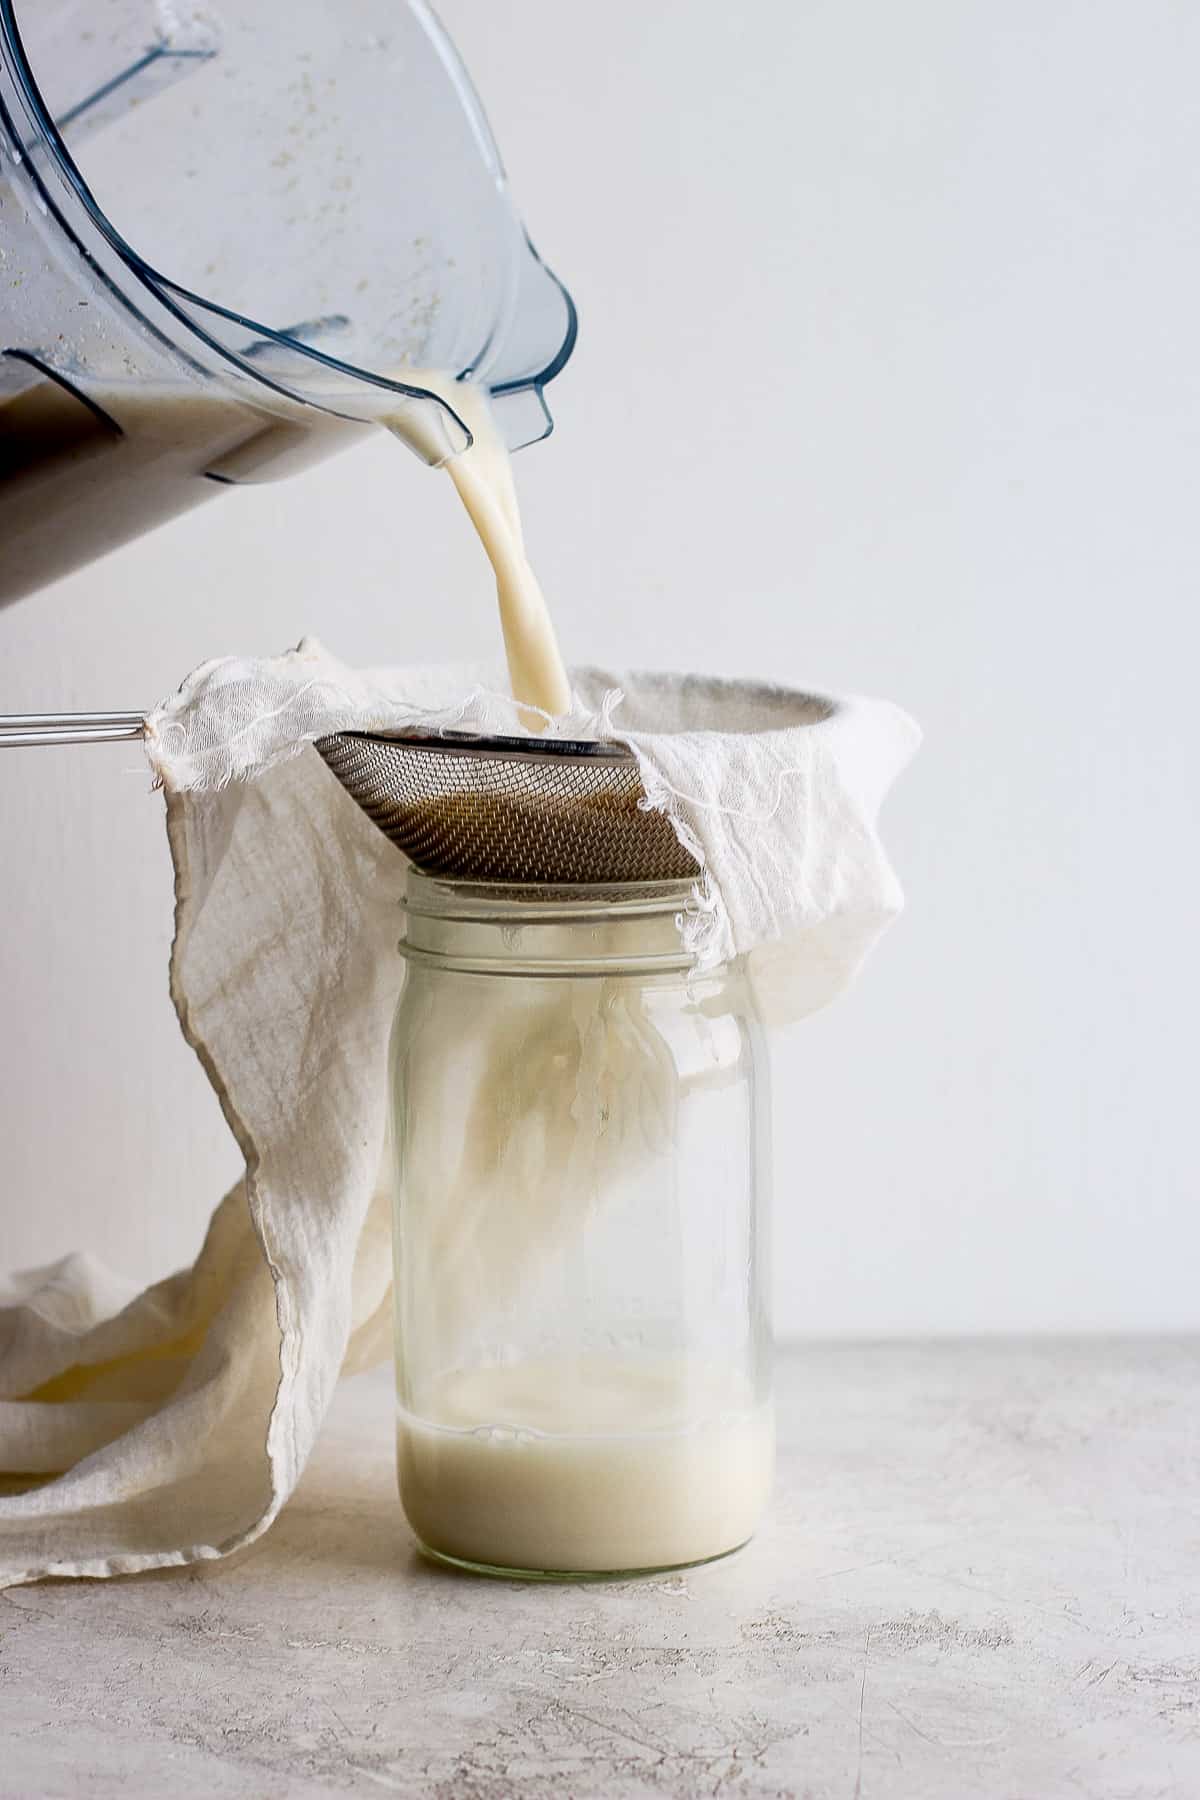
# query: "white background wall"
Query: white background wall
887,381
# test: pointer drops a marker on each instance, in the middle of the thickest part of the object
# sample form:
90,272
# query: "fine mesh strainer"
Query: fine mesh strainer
505,809
509,809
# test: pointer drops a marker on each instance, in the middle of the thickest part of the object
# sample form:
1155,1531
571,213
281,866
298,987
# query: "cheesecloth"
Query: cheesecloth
170,1426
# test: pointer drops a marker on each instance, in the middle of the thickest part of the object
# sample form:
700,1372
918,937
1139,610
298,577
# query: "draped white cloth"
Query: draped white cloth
171,1426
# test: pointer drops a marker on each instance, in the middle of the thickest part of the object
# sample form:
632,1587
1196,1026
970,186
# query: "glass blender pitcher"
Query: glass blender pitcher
229,244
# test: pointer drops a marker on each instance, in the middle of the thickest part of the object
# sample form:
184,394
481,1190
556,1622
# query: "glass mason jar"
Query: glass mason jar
581,1135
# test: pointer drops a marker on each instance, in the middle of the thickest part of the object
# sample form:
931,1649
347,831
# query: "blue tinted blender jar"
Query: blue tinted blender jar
229,245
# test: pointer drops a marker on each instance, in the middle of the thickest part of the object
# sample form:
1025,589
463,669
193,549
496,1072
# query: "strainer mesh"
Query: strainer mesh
499,809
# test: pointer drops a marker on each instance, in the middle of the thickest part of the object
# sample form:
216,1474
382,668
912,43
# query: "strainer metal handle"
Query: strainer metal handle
22,731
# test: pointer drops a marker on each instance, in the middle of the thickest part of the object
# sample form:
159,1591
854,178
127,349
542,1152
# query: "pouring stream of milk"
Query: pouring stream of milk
483,477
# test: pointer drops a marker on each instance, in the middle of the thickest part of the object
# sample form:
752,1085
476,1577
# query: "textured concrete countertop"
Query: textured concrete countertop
981,1578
